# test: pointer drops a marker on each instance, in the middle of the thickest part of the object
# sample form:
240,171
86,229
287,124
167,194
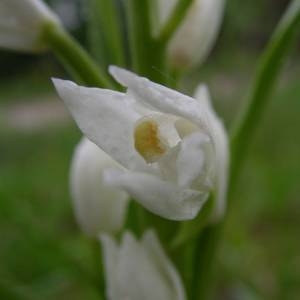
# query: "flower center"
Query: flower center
147,140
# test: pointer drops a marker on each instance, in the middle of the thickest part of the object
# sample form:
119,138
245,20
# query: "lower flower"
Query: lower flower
138,270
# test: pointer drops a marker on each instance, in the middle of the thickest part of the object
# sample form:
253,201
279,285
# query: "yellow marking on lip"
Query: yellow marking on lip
147,141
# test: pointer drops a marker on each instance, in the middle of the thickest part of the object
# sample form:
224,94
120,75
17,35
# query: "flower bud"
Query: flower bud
98,208
195,36
22,23
138,270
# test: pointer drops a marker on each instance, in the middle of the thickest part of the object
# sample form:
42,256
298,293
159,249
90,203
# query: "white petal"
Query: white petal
105,118
158,96
191,158
195,37
220,142
160,197
98,208
202,95
140,270
154,248
21,23
139,275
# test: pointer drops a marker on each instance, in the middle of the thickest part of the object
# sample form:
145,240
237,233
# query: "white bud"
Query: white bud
197,33
98,208
22,23
139,270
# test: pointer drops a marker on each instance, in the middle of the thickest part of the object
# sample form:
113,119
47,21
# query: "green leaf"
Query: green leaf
268,70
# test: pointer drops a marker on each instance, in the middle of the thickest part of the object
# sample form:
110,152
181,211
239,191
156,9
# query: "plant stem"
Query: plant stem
147,54
267,73
174,20
139,33
206,248
74,57
104,30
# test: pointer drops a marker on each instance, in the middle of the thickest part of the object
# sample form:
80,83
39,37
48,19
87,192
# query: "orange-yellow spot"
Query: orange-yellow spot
147,141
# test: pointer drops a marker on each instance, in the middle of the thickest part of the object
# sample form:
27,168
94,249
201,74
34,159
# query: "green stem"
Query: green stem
104,31
268,71
74,57
147,54
206,248
174,21
139,30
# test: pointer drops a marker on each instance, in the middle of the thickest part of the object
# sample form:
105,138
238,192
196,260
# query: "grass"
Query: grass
42,253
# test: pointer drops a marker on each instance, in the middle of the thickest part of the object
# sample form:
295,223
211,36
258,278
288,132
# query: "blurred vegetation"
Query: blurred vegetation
42,254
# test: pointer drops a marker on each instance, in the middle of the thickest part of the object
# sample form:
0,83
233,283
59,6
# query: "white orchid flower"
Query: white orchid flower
166,142
22,23
138,270
197,33
98,208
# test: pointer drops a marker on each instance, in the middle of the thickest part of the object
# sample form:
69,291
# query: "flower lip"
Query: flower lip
148,141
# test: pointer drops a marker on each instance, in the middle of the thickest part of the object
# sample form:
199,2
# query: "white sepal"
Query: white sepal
221,146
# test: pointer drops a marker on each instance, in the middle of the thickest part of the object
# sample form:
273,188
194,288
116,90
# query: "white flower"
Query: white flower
138,270
196,34
98,208
167,142
22,22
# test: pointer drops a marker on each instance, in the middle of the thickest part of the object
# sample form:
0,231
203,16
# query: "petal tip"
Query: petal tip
64,88
122,76
61,84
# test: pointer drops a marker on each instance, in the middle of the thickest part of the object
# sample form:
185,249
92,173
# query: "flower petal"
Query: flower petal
191,158
154,248
98,208
158,96
220,142
105,118
160,197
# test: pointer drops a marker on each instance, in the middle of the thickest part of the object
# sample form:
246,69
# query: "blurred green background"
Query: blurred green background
42,253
